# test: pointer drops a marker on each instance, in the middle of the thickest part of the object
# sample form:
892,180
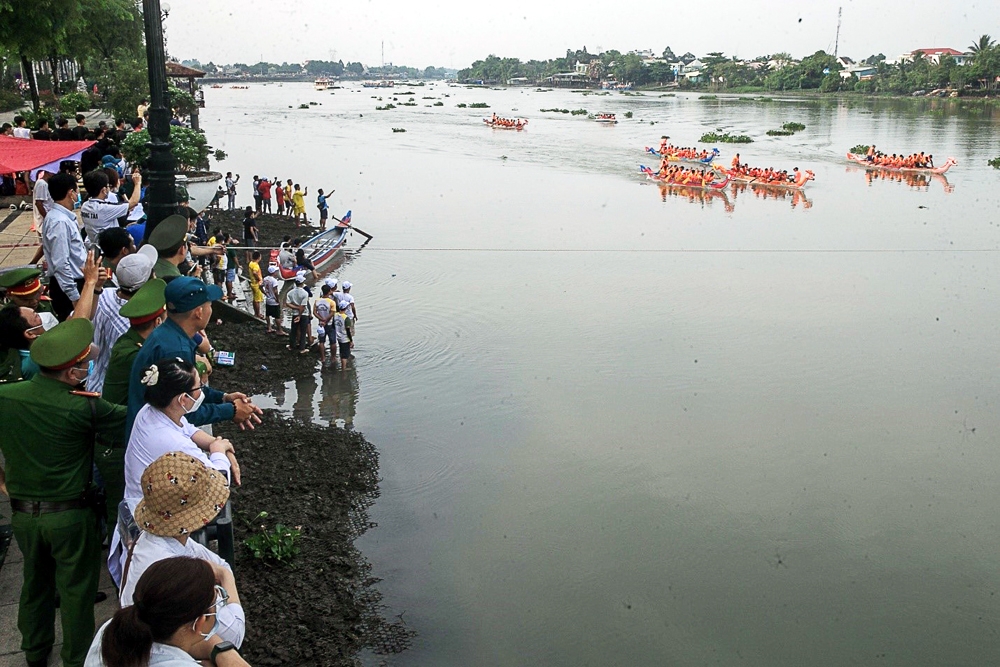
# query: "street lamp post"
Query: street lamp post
161,192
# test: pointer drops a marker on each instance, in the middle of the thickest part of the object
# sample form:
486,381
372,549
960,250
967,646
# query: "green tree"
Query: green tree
35,30
981,45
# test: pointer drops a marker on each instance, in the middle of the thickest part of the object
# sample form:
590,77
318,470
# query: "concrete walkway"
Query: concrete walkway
18,243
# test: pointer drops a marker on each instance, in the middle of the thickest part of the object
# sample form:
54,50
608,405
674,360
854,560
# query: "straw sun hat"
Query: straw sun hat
180,495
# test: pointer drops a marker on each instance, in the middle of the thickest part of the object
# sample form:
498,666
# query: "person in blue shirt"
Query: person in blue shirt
189,309
324,208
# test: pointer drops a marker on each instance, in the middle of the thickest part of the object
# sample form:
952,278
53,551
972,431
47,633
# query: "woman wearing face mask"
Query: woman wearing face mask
173,389
172,621
180,495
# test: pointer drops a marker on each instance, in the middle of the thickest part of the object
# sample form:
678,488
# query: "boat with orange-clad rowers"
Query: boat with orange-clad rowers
606,118
500,123
699,179
916,163
769,177
680,154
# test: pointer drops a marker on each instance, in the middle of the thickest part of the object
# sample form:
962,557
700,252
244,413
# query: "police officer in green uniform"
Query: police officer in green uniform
169,239
23,288
48,475
146,310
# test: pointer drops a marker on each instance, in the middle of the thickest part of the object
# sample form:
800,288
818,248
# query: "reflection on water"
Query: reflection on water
705,198
764,193
917,181
338,401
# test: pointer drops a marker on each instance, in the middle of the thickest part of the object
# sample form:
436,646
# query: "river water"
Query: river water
626,427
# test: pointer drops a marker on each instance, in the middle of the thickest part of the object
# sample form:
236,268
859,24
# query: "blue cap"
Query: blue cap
184,294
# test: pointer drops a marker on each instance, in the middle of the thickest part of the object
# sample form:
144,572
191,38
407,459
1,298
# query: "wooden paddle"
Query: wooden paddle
359,231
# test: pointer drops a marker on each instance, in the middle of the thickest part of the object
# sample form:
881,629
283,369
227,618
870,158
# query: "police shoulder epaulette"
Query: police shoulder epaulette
88,394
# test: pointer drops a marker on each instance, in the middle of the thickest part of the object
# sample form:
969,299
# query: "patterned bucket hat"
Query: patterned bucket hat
180,495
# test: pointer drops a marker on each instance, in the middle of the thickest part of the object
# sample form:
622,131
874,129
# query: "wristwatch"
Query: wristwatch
221,647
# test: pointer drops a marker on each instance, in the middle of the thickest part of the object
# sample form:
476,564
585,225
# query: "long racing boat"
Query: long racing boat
319,249
861,160
653,176
672,157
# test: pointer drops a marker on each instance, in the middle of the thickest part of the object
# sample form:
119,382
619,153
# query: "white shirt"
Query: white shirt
286,258
22,133
64,249
100,214
344,297
270,287
151,548
108,328
155,434
41,193
160,655
298,297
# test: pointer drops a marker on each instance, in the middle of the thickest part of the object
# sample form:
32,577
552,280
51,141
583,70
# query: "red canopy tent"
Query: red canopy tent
33,155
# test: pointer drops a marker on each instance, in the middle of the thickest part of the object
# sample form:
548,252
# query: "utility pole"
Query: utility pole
836,44
161,197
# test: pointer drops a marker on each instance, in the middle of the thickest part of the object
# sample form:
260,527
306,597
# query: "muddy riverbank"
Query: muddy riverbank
324,607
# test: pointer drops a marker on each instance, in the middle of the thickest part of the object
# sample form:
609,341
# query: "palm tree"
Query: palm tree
985,43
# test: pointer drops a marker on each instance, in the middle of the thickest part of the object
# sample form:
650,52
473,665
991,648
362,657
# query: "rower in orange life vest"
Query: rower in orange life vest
663,145
736,161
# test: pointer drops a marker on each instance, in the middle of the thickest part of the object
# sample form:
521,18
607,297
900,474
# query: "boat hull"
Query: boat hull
651,175
319,249
860,160
674,158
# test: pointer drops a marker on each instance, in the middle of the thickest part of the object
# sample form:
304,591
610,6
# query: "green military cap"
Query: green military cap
21,282
63,345
147,304
169,233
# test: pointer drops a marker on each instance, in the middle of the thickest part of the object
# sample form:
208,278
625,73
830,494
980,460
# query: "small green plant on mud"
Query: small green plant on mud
276,545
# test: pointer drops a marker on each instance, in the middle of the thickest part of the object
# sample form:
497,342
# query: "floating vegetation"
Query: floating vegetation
995,163
387,107
709,97
779,133
428,98
715,137
628,114
793,127
669,95
461,105
439,103
479,105
408,104
860,149
579,112
554,110
409,92
399,129
303,106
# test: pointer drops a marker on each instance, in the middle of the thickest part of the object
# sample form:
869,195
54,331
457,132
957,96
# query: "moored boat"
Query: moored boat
322,83
318,249
673,157
861,160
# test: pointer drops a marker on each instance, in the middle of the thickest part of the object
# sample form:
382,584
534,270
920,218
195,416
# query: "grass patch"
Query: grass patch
715,137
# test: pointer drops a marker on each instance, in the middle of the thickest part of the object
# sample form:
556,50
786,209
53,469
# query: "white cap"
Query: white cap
300,277
346,285
149,251
133,271
330,282
272,269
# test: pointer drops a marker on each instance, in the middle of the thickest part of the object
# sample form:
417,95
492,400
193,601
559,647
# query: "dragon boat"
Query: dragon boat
607,118
653,176
798,184
861,160
672,157
518,123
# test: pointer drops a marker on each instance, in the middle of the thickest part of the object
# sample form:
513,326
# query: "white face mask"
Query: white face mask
197,402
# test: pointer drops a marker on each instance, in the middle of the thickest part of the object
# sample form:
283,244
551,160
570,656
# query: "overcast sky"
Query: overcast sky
450,33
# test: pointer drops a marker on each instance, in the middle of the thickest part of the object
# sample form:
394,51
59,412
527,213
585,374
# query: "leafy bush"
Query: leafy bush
10,100
44,113
860,149
713,137
995,163
189,147
278,545
793,127
182,101
220,155
73,102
